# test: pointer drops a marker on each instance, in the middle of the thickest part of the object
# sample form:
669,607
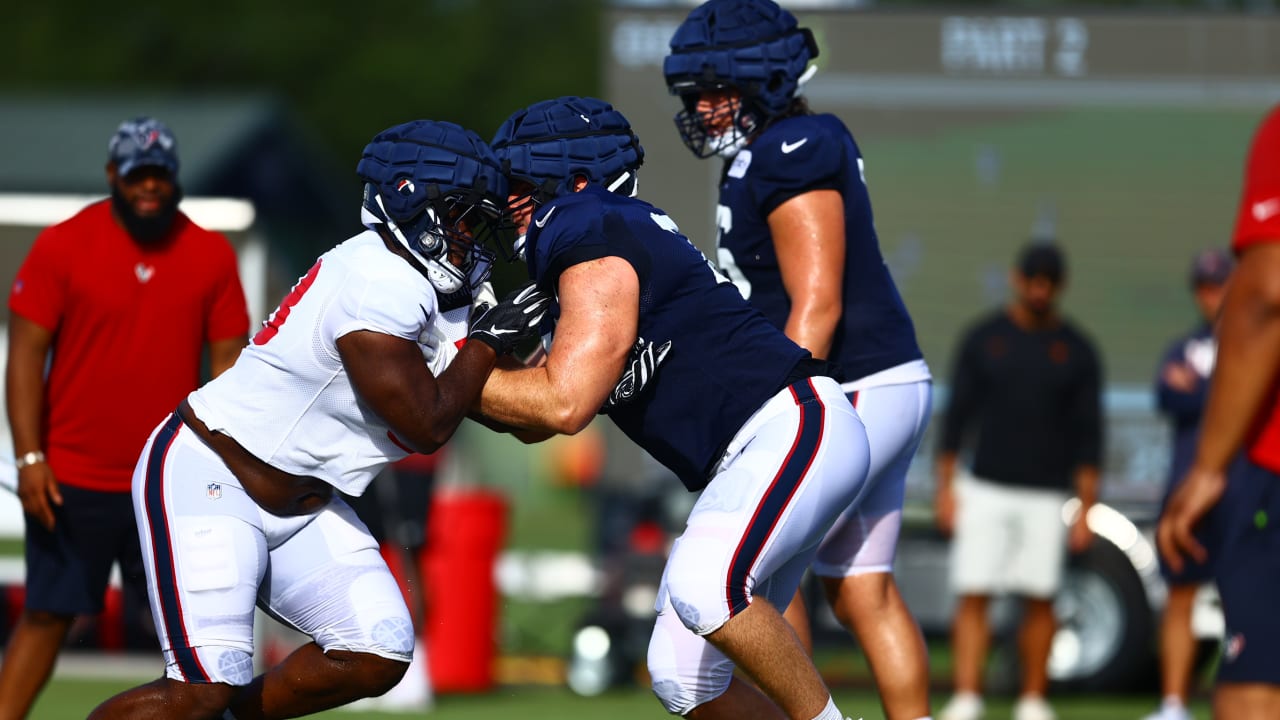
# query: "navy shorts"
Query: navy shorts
1249,579
68,568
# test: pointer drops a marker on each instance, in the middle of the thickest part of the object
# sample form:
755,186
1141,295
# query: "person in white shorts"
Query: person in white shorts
370,357
1027,388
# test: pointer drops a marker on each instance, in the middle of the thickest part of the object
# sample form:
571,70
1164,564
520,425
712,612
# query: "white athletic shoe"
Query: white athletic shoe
963,706
1033,707
1170,711
413,692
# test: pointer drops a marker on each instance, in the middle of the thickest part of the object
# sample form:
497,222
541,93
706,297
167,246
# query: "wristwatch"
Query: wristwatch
31,458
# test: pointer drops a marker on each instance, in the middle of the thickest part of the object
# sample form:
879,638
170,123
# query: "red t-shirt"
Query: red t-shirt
129,330
1259,222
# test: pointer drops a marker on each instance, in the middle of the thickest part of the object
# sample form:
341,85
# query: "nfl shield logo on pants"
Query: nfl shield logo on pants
213,491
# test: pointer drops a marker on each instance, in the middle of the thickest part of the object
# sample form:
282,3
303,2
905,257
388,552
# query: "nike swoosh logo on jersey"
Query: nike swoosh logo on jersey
501,331
789,147
545,218
1263,210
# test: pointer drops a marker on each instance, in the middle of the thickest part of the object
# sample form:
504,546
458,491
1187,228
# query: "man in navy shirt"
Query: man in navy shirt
737,410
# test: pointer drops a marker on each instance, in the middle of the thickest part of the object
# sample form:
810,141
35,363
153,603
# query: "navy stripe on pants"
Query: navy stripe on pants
776,498
162,550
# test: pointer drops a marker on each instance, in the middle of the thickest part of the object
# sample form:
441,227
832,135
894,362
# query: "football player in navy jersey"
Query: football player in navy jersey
737,410
796,235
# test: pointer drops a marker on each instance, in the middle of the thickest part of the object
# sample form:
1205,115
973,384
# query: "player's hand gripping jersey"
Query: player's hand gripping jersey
707,391
288,399
791,157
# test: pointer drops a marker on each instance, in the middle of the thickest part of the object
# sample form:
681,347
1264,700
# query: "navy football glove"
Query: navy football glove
642,364
510,322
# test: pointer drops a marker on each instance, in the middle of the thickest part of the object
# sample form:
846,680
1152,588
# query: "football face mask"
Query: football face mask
714,122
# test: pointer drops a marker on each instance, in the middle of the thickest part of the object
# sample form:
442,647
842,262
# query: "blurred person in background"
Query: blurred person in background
798,239
377,352
110,315
1182,384
737,410
1027,390
1243,414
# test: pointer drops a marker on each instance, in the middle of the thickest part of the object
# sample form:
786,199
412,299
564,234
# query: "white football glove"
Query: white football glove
642,365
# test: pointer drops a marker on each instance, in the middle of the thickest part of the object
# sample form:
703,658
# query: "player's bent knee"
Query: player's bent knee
684,671
681,692
700,605
210,665
204,700
385,631
372,674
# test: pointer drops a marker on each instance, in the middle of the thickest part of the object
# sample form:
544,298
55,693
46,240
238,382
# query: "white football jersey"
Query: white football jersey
288,399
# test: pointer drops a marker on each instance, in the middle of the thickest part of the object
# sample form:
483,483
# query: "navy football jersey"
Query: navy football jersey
793,156
726,360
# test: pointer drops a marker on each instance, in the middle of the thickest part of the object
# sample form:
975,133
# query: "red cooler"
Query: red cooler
466,531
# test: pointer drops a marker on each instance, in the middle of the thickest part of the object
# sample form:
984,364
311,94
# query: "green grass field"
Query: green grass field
68,698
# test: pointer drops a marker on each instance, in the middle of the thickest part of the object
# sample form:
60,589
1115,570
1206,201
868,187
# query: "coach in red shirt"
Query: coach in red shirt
1244,412
109,316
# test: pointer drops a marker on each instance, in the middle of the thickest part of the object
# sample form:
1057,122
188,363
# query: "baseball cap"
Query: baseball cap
1211,267
143,141
1041,259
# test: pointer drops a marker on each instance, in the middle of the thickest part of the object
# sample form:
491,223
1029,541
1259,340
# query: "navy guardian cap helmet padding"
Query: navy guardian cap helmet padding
550,143
754,46
438,188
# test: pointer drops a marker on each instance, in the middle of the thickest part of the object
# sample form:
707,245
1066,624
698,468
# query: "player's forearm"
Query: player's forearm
24,392
813,325
530,399
25,404
1248,357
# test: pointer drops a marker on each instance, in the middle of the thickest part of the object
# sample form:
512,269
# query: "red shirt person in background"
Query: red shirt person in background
1243,412
109,316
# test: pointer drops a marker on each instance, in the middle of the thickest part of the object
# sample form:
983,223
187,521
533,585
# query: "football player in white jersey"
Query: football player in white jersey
363,362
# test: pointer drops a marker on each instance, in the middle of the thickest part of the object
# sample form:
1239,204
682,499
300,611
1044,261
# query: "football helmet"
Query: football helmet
752,46
438,189
549,144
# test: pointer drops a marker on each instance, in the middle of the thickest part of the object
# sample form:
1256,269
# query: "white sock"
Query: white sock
1172,701
830,712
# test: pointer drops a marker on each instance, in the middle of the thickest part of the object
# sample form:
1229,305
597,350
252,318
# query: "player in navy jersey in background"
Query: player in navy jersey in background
797,237
1182,385
736,410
